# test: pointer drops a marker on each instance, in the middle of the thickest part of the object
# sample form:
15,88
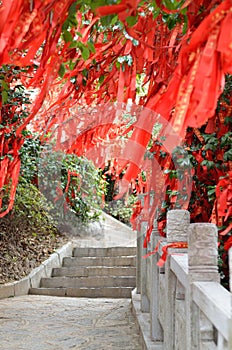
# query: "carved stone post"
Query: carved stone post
139,261
230,277
178,222
156,329
203,266
203,252
145,304
230,267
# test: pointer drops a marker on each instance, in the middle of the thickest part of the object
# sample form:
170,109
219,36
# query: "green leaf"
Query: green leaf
183,162
228,155
226,139
169,4
131,20
101,79
74,44
85,52
73,9
173,4
208,163
91,46
71,65
185,26
211,191
4,97
61,70
65,25
72,21
114,20
85,73
67,36
4,85
97,3
108,20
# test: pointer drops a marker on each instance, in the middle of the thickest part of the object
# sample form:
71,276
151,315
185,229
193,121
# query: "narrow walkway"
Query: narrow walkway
56,323
113,234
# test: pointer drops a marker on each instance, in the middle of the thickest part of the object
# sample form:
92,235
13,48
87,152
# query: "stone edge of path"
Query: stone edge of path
116,222
22,286
143,324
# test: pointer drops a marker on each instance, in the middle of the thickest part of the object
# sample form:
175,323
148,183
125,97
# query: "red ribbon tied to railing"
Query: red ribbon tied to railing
163,258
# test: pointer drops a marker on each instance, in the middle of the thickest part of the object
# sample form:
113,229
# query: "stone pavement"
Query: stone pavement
57,323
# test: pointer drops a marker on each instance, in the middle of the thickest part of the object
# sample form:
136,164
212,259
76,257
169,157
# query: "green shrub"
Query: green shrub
85,190
31,211
77,199
121,209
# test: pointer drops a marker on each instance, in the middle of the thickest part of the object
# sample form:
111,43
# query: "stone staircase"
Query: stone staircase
93,273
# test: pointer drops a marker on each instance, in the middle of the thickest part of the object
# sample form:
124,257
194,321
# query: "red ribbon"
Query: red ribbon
161,262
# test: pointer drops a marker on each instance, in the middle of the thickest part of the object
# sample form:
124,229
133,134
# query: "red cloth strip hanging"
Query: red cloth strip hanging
163,258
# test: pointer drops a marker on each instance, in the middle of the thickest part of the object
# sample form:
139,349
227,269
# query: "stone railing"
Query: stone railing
183,303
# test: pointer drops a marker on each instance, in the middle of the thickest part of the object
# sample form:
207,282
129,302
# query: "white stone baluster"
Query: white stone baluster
156,329
139,261
203,266
230,269
230,279
178,222
203,252
145,303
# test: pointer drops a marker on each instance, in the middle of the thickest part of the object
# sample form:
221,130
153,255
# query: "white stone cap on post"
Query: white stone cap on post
203,251
178,221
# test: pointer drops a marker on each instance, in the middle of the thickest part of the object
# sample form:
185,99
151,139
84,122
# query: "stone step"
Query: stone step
93,273
86,271
99,261
103,292
88,282
104,252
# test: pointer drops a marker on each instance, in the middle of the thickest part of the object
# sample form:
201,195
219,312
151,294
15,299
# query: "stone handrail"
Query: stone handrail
187,306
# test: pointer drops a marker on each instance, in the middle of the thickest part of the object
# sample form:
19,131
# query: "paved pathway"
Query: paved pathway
113,233
56,323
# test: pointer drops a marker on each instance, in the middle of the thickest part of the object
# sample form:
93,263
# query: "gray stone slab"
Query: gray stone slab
64,251
102,261
78,271
104,252
94,271
6,290
88,282
59,292
52,262
111,271
105,292
22,286
58,323
143,324
36,275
